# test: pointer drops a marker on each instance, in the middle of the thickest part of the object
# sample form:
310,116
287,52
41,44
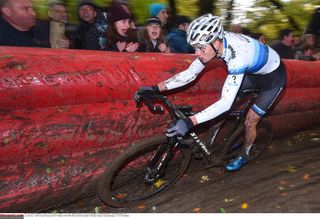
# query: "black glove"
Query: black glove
145,91
180,127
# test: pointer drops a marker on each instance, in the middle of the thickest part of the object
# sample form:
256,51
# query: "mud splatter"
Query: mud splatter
18,65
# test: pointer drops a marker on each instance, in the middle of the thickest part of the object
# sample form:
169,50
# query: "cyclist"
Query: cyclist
251,65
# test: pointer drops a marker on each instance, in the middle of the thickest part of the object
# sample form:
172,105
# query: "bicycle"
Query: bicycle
150,167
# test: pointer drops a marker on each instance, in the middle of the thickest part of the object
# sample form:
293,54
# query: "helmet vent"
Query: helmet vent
205,30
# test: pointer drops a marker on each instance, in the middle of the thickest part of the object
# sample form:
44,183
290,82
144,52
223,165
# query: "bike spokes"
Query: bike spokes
135,182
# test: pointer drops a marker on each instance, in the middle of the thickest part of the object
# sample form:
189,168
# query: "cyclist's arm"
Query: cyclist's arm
184,77
229,92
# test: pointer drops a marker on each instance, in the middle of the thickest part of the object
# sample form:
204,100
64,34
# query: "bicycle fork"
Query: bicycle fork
158,163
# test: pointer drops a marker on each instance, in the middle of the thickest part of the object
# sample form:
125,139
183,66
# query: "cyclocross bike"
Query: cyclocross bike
144,170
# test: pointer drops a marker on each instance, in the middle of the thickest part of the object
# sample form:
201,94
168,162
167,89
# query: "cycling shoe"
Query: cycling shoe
237,163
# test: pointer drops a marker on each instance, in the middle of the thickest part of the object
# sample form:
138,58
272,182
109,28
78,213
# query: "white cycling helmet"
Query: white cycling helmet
204,30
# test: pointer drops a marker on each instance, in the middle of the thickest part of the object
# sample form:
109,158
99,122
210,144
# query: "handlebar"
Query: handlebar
176,112
181,112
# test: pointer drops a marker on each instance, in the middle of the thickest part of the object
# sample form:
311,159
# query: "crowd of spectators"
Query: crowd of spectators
114,29
287,45
111,29
301,48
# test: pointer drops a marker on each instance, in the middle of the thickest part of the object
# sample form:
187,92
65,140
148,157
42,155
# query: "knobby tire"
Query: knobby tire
122,183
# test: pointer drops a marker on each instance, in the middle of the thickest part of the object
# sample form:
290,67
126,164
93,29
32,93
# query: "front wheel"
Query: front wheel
132,178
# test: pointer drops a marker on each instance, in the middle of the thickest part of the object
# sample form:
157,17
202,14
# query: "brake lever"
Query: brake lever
152,108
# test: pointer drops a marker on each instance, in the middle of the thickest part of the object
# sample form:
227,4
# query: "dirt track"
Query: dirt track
286,179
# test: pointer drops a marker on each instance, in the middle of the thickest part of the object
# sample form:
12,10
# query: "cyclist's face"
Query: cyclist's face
204,53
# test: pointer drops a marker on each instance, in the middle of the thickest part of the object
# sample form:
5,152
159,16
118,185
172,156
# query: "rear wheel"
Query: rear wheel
264,137
128,181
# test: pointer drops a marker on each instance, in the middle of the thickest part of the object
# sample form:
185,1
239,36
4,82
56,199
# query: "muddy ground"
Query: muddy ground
286,179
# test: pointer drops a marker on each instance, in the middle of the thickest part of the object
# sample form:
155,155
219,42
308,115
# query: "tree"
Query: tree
270,16
206,6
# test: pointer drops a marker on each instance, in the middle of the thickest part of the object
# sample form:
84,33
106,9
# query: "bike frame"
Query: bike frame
156,168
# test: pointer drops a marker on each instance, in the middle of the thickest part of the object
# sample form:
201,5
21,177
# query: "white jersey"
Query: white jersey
242,55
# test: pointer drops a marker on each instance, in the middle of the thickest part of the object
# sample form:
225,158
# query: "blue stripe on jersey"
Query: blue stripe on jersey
261,57
237,71
259,111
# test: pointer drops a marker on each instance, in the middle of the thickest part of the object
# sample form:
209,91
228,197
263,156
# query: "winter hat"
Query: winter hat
117,13
153,20
55,2
181,19
155,8
86,2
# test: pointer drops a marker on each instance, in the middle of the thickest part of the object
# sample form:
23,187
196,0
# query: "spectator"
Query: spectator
91,32
297,47
284,46
51,33
310,39
307,53
316,54
153,39
120,37
177,39
16,20
236,28
159,10
260,37
125,5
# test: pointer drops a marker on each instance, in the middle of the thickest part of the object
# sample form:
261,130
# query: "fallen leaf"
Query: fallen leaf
281,188
306,176
159,183
142,206
97,209
120,196
244,205
291,169
196,210
222,210
154,208
228,200
204,179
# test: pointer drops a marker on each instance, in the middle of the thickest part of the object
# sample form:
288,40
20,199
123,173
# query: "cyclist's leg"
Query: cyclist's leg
259,109
251,122
271,86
